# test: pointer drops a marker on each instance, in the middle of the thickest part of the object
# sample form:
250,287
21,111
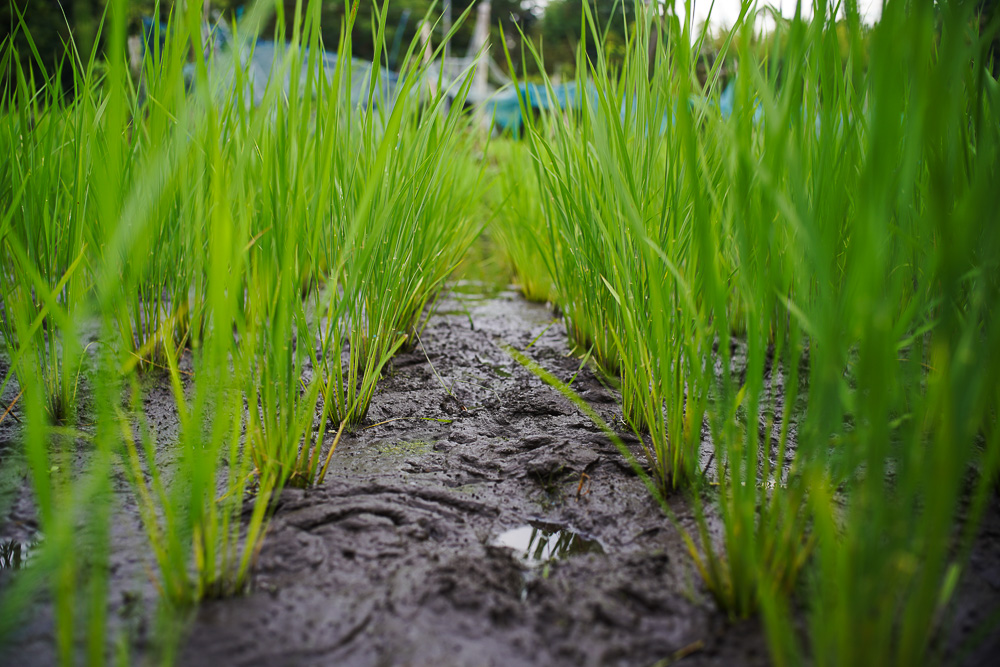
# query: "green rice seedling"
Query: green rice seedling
194,536
42,241
275,345
270,245
620,173
910,419
760,498
73,507
200,545
409,190
255,266
166,305
829,178
152,315
519,226
74,518
44,304
570,181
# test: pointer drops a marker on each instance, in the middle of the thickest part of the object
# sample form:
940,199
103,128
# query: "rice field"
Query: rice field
718,335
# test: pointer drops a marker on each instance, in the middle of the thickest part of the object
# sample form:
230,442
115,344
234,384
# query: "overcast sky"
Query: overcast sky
725,12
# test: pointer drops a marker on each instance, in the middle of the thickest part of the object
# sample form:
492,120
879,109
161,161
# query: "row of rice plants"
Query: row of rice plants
263,246
616,202
838,227
518,224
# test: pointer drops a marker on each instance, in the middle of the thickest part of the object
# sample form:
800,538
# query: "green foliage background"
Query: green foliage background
556,26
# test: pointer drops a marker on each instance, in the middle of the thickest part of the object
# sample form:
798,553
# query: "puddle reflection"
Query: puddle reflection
15,555
539,544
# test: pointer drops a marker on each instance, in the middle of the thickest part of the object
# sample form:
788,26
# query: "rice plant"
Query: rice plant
519,226
620,200
264,247
835,224
794,296
43,274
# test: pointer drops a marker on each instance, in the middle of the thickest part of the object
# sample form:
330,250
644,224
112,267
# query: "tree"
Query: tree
561,24
50,25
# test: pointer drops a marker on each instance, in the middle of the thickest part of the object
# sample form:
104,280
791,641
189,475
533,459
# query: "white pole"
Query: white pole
480,43
447,29
425,41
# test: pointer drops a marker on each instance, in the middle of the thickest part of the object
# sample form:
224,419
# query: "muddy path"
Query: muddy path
478,519
400,557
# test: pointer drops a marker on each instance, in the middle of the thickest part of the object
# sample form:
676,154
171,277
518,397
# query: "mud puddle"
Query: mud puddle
537,543
539,546
16,555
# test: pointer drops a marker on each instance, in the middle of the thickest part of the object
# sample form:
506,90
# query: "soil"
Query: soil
397,559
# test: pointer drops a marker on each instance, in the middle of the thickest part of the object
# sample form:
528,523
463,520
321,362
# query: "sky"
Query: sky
725,12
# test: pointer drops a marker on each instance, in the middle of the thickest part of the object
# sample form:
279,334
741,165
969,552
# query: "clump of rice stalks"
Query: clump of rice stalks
839,221
892,441
42,233
201,546
404,189
71,562
623,199
519,226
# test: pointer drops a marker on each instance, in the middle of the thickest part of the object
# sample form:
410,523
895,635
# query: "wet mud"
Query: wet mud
477,519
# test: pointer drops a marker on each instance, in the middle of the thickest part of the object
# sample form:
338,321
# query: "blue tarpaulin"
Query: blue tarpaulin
506,109
261,58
